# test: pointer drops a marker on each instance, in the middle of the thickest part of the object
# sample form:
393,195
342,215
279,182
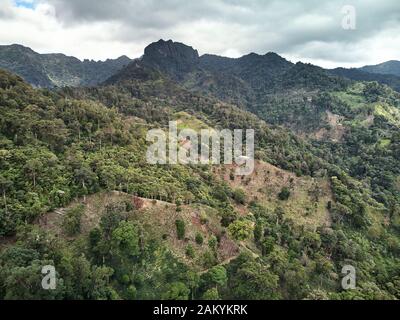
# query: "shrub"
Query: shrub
212,243
284,194
199,239
211,295
239,196
240,230
190,251
72,220
209,260
180,229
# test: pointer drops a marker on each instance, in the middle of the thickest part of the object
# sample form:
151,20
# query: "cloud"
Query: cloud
309,30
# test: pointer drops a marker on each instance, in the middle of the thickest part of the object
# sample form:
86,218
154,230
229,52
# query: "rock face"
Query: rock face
174,58
57,70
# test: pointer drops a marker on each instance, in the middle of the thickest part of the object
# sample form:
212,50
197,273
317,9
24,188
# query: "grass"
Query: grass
389,113
187,121
267,182
355,101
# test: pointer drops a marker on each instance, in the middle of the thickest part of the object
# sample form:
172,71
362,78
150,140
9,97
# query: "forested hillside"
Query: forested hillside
389,67
78,194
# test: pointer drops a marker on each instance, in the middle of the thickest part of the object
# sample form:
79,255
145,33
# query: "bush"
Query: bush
211,295
212,243
72,220
180,229
209,260
190,251
228,215
239,196
284,194
199,239
240,230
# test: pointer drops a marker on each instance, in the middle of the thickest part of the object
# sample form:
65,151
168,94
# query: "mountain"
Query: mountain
362,74
78,193
243,81
390,67
239,80
173,58
57,70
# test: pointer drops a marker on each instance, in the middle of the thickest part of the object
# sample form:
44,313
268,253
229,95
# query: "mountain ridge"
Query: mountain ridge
388,67
57,69
324,192
180,62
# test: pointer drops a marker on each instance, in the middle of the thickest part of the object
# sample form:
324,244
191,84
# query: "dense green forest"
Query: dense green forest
78,194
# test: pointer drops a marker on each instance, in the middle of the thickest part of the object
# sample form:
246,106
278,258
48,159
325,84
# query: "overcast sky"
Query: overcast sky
306,30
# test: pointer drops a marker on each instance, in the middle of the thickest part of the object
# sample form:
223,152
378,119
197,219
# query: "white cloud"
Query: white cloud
309,30
40,29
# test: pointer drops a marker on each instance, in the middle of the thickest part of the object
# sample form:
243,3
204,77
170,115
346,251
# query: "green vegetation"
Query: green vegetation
284,194
240,230
72,220
180,229
199,232
199,239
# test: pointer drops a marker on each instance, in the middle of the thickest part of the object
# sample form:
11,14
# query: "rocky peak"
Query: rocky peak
175,58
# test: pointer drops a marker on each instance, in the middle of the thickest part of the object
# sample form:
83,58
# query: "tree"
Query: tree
86,177
113,215
268,245
5,185
33,167
72,220
211,295
24,283
228,215
101,288
209,259
125,239
258,231
212,243
317,294
176,291
193,280
190,251
131,293
250,280
218,276
241,230
180,229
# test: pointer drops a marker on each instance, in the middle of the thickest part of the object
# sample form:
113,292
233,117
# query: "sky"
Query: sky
329,33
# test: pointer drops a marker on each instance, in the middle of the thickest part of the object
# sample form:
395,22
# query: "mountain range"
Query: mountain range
57,70
250,73
78,193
